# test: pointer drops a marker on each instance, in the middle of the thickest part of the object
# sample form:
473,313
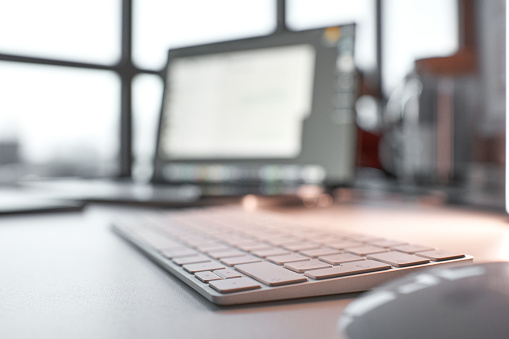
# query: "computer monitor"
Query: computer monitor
272,109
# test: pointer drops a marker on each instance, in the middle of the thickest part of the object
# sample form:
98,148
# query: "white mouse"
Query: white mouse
458,302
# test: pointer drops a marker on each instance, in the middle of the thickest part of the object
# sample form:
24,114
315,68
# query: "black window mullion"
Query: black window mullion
126,72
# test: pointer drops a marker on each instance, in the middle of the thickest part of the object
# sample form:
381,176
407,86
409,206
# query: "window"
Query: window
87,31
147,96
414,30
159,25
60,116
304,14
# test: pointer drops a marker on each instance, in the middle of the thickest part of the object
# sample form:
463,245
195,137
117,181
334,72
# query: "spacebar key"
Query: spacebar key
270,274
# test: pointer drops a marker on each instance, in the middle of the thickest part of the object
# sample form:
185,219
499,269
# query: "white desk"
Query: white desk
68,276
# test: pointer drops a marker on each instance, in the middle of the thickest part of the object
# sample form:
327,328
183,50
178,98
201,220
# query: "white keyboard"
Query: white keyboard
231,256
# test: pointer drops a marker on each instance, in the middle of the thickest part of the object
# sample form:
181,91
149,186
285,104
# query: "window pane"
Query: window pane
87,30
63,120
147,96
305,14
159,24
413,30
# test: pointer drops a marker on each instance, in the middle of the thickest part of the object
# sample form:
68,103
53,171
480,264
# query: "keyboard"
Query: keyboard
233,256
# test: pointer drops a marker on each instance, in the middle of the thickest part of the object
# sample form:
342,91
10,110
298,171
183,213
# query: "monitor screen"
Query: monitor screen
277,108
248,104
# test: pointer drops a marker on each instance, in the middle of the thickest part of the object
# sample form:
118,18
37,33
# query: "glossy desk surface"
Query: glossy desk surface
68,276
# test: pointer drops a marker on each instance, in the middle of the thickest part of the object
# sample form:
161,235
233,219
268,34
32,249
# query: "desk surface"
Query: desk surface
68,276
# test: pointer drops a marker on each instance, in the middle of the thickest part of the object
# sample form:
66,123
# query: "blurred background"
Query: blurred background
81,85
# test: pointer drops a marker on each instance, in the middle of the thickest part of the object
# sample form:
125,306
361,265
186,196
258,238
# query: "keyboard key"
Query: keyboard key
228,273
234,285
324,238
365,250
440,255
182,252
351,268
245,259
318,252
299,246
411,249
225,254
190,260
398,259
206,266
213,247
270,274
388,243
270,252
283,259
303,266
206,276
200,242
253,246
337,259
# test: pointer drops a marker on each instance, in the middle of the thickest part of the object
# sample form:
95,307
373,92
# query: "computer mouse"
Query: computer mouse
457,302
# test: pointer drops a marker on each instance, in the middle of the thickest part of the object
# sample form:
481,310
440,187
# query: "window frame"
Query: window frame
126,70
